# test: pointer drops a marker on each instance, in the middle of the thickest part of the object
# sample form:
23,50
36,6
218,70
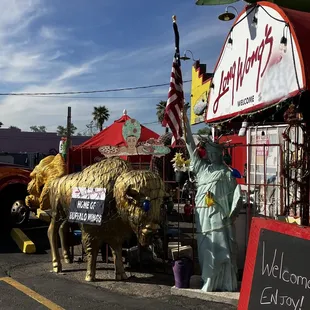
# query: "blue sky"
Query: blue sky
72,45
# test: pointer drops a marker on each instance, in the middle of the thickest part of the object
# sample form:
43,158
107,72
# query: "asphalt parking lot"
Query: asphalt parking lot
27,283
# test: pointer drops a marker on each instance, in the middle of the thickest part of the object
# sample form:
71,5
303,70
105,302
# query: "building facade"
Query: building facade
27,148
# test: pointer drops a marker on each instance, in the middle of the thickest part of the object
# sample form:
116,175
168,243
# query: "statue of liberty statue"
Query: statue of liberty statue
218,201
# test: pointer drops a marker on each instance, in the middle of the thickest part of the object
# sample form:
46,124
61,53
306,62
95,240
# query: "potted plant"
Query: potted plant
181,167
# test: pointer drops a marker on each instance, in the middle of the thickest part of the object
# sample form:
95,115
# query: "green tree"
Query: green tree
62,131
100,115
38,128
14,127
160,111
204,131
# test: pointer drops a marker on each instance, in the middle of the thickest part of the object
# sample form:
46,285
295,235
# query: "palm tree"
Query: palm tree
160,111
101,114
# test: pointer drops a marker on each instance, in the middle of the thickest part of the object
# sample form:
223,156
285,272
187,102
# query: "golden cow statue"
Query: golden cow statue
126,192
49,168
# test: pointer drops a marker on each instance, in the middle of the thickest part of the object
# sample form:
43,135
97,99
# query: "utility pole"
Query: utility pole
68,142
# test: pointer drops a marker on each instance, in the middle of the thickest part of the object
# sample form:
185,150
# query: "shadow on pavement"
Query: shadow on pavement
39,237
84,269
153,279
34,230
7,244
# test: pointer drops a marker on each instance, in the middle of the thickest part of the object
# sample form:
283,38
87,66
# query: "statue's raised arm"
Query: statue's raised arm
216,202
189,139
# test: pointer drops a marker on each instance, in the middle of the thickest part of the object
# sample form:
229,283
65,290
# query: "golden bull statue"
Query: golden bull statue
126,191
48,169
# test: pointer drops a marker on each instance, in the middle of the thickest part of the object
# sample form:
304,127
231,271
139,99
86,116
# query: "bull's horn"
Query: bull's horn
152,226
146,231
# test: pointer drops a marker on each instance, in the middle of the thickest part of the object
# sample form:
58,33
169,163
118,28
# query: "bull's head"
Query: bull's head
49,168
139,195
37,179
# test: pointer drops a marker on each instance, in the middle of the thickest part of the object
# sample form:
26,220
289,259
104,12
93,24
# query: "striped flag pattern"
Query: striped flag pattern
175,102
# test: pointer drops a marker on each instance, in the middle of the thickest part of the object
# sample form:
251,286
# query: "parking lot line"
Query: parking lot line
32,294
23,242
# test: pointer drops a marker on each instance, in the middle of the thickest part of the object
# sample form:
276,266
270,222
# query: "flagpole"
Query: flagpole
174,111
177,51
184,122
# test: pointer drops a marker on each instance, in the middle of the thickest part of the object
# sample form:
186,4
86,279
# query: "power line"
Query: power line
88,91
93,97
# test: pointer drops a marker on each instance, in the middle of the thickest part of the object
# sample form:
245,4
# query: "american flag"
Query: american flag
175,102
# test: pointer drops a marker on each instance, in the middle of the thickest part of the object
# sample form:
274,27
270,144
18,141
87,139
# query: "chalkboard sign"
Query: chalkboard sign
87,205
277,271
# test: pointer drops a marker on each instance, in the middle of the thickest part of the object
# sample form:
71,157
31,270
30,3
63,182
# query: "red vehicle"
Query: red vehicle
13,190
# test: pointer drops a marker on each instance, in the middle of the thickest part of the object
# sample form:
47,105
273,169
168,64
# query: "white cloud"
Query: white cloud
75,71
56,55
24,112
38,59
51,33
17,15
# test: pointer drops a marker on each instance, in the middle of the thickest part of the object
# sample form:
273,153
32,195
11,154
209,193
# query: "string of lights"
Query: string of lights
88,91
249,115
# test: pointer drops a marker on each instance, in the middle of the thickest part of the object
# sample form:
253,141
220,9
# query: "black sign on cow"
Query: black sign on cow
87,206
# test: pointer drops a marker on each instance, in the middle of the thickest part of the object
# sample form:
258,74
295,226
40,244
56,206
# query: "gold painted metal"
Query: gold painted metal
123,213
49,168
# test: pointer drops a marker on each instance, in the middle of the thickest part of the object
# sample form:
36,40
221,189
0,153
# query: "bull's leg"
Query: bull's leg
64,235
120,273
52,236
91,246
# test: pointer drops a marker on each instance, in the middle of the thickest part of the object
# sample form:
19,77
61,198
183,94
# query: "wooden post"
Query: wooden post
68,145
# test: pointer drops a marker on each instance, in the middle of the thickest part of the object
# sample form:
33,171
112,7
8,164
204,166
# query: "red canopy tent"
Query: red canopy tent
87,152
113,136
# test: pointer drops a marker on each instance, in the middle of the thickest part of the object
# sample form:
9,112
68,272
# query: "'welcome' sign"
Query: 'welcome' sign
277,273
258,66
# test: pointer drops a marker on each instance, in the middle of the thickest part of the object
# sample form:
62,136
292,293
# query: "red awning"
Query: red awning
300,22
113,136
